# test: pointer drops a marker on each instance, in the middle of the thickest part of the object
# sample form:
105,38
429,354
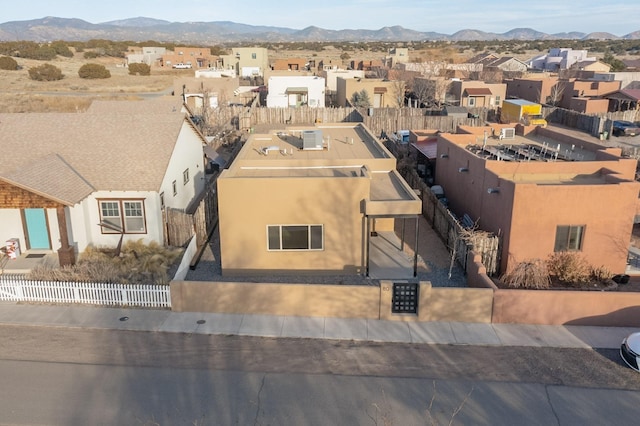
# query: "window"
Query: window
175,188
185,177
122,215
253,56
569,238
162,200
497,101
471,101
295,237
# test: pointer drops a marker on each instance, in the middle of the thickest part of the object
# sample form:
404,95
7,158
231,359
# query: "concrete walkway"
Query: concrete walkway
452,333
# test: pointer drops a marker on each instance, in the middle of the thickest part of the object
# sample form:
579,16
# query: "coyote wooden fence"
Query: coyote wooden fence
200,220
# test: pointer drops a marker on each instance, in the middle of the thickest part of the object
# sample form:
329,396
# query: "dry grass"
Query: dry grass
569,267
138,263
528,274
18,93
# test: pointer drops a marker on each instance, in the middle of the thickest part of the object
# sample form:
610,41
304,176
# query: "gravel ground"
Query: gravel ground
433,266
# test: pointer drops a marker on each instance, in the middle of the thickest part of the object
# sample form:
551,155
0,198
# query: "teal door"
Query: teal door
37,232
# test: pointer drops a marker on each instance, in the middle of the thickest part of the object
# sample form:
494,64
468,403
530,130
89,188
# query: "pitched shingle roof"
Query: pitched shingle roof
44,177
63,156
155,106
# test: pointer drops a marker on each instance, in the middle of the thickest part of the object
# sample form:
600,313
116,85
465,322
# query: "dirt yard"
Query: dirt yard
18,93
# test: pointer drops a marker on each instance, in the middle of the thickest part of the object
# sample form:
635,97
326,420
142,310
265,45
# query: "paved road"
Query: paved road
70,376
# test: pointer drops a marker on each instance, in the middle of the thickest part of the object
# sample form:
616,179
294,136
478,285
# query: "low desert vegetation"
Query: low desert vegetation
569,267
8,63
564,269
139,69
45,72
137,263
94,71
531,274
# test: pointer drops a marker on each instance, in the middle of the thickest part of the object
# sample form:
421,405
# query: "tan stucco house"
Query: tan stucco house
382,93
307,200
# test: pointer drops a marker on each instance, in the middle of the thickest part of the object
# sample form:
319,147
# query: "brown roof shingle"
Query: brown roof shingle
49,152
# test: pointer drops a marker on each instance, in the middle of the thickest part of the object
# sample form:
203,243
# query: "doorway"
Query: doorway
36,229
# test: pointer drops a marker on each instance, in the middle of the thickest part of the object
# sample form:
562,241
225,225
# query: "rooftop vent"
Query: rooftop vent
312,140
507,133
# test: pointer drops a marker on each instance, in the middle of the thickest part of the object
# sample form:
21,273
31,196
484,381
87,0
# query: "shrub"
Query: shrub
61,48
569,267
93,71
138,263
139,69
8,63
601,274
528,274
44,53
90,54
361,99
45,72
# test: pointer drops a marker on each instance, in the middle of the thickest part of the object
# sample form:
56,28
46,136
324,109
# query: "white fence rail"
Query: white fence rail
18,289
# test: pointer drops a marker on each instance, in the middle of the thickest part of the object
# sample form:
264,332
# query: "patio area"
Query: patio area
28,260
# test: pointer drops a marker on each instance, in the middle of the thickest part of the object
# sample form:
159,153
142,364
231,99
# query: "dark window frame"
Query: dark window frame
569,238
122,216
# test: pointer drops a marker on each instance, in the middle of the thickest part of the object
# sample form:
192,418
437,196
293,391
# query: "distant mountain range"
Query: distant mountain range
142,29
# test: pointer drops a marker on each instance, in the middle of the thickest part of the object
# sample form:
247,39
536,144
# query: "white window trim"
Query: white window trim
280,226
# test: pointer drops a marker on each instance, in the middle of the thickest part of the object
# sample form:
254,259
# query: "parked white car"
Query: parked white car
630,350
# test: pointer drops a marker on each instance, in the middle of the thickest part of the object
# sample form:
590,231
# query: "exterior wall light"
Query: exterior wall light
463,169
493,190
444,155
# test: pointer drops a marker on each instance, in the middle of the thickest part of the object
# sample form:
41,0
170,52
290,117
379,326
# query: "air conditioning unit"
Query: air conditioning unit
508,133
312,140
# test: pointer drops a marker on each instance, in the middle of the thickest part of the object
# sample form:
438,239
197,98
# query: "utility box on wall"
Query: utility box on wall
13,248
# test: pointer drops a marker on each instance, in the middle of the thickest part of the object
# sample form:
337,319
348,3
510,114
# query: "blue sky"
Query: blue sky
618,17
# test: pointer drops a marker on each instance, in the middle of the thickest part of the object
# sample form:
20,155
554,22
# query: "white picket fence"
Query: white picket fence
19,289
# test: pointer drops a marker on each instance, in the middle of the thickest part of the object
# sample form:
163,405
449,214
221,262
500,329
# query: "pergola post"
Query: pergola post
66,254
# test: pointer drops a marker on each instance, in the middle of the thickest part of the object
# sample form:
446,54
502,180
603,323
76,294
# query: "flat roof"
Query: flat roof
560,178
387,187
528,148
335,150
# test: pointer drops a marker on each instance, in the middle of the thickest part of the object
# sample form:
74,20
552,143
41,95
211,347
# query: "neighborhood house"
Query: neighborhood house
308,200
78,180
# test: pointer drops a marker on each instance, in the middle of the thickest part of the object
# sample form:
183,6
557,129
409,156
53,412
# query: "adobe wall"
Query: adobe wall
614,309
568,138
330,301
306,300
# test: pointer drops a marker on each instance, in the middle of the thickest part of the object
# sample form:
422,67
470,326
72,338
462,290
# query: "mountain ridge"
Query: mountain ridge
142,28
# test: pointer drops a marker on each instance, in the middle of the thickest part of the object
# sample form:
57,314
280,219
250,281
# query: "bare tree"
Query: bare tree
421,90
378,72
556,93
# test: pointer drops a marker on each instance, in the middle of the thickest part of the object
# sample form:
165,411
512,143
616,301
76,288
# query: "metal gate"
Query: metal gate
404,299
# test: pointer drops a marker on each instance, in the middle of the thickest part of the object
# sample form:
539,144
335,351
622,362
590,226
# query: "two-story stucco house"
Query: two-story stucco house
309,200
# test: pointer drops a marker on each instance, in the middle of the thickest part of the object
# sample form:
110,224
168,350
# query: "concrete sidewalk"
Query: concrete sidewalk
452,333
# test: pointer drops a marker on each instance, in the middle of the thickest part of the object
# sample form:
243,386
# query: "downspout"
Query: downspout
415,252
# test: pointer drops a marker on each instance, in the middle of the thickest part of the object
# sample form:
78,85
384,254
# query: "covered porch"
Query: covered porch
29,216
391,202
28,260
